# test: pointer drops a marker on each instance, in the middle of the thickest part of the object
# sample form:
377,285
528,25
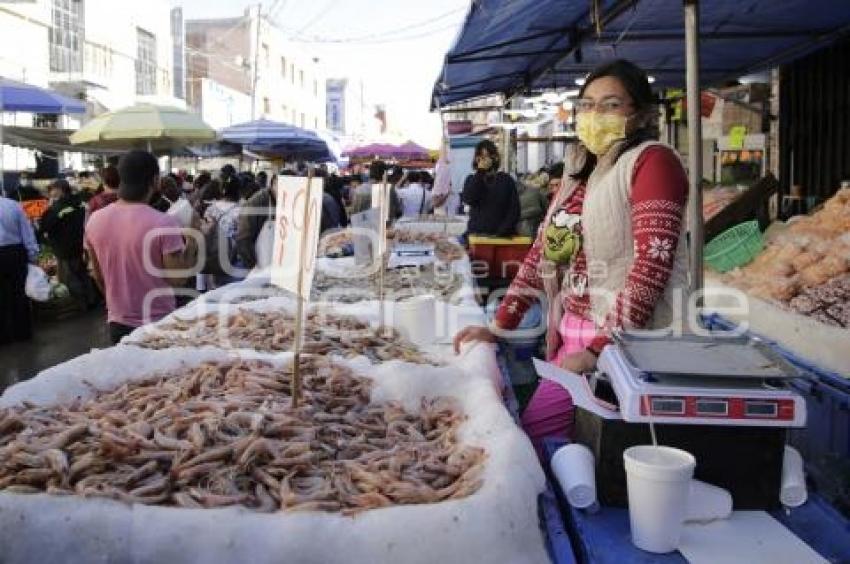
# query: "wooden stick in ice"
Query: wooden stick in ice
382,233
300,298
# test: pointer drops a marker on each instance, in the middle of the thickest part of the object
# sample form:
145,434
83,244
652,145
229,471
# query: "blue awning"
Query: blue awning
19,97
514,46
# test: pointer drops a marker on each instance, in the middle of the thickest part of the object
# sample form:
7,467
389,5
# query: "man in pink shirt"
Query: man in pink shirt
136,251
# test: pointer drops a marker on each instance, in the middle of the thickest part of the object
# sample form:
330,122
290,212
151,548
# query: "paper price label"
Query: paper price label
296,228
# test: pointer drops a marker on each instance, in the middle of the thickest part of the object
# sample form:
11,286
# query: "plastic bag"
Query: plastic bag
264,246
38,285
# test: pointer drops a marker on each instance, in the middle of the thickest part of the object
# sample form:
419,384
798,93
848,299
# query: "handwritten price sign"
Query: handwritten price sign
296,233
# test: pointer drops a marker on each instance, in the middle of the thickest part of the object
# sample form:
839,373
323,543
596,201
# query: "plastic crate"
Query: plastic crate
734,247
501,255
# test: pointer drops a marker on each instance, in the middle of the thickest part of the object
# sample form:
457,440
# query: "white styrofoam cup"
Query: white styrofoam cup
416,319
574,467
792,492
659,482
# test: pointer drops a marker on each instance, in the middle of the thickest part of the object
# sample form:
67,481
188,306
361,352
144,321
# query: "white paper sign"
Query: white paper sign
294,231
381,201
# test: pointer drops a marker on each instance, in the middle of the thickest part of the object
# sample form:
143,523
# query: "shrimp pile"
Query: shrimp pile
325,333
399,284
222,434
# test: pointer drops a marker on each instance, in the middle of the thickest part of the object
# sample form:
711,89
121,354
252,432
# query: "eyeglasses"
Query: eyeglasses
605,106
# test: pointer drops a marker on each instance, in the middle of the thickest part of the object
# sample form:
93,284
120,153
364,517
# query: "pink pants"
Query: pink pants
550,411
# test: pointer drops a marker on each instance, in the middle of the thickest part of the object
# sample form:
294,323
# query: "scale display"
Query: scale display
726,408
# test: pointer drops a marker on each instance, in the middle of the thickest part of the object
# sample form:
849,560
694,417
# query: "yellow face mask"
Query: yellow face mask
599,131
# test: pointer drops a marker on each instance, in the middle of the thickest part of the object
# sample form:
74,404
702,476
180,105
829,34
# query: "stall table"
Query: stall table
604,537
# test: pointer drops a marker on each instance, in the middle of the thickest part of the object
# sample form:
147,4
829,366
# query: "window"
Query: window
316,123
66,36
293,117
301,78
292,73
283,67
303,121
265,50
145,62
267,106
315,88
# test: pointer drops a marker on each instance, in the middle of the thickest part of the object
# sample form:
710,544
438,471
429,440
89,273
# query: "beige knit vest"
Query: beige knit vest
609,245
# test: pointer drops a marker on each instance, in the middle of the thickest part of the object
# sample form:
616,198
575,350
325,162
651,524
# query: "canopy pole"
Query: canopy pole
695,218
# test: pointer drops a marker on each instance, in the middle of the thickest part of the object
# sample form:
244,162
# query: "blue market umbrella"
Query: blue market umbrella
270,136
19,97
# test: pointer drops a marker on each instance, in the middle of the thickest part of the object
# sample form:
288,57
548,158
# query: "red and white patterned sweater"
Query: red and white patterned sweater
659,194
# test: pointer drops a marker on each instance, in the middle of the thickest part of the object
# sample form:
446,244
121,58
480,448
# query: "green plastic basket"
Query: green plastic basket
734,247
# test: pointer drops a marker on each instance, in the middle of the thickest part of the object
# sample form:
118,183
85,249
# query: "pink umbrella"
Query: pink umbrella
374,150
411,151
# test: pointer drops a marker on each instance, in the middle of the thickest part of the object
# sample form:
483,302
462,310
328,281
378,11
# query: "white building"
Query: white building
111,53
249,55
349,115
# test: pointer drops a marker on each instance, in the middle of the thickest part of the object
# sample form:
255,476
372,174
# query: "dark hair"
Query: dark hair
556,170
262,178
168,188
635,81
137,170
491,149
111,177
395,174
62,185
377,170
212,191
85,174
413,177
227,170
201,180
426,178
248,189
231,188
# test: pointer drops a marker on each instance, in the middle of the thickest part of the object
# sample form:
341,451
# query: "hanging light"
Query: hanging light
580,81
651,79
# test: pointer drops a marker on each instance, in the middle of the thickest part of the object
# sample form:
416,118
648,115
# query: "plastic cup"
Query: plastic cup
792,492
574,467
659,482
415,319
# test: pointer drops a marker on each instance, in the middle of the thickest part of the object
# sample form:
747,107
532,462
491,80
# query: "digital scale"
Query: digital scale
735,381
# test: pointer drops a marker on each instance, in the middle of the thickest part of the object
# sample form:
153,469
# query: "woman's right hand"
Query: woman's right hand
473,333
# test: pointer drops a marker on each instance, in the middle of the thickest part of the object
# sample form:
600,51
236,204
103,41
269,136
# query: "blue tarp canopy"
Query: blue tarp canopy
19,97
514,46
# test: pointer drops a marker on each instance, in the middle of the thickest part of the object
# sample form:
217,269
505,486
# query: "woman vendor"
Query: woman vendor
611,252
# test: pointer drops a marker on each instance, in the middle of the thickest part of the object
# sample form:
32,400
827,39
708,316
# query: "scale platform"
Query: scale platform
701,381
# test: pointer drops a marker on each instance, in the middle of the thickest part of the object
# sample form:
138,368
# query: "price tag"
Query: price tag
736,137
296,228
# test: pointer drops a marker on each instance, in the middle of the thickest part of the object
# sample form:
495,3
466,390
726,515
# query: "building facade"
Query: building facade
249,56
350,116
88,49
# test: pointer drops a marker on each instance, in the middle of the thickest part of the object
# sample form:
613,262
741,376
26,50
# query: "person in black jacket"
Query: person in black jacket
62,227
491,195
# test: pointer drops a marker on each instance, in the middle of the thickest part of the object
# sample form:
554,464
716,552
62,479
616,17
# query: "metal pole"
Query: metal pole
695,219
256,62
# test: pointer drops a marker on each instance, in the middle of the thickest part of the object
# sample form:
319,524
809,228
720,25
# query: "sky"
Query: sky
395,46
